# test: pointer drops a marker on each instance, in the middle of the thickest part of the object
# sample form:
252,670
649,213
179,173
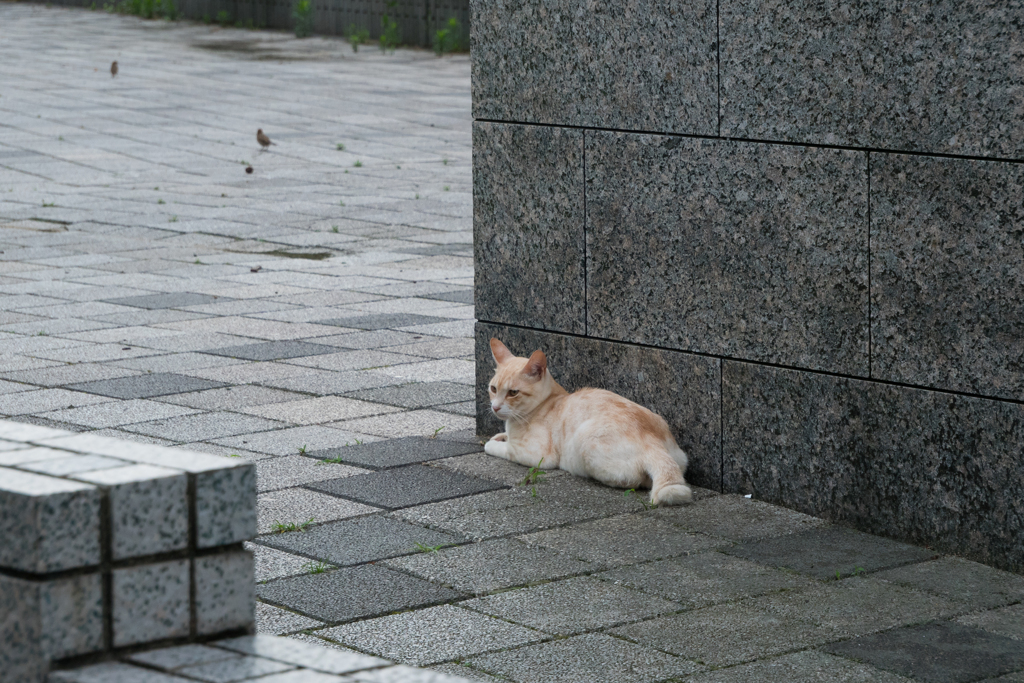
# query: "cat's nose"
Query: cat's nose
494,407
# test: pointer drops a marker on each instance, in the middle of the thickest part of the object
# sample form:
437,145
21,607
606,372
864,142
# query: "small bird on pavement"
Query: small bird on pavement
262,138
113,68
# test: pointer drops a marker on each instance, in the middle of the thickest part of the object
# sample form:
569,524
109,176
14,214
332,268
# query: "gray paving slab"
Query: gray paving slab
364,539
168,300
353,593
739,519
235,669
942,652
203,426
275,564
171,658
273,350
294,470
113,413
809,666
625,539
233,398
704,579
326,382
320,655
489,467
417,395
24,402
299,505
955,578
459,296
145,386
831,553
572,606
481,568
404,486
588,658
412,637
1005,621
464,672
396,452
113,672
289,441
276,621
319,410
384,321
414,422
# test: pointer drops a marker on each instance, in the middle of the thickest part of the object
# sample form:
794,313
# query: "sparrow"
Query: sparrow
262,138
113,68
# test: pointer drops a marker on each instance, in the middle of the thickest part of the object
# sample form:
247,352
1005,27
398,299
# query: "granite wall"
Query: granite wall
794,229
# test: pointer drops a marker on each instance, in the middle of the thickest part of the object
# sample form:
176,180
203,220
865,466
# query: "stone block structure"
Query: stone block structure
795,230
111,545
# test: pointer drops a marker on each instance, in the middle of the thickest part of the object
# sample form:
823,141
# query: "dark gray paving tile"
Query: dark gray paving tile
353,592
738,518
792,72
418,395
953,577
273,350
169,300
809,666
355,541
944,318
384,321
683,388
528,226
1005,621
705,579
404,486
380,455
589,658
572,606
146,386
459,296
942,652
491,565
826,553
789,284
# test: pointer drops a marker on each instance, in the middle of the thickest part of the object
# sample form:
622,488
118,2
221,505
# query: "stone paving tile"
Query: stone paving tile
117,413
23,402
203,426
396,452
48,375
459,296
168,300
272,350
276,621
354,592
414,422
365,359
374,339
403,486
727,634
171,658
832,552
809,666
356,541
627,539
112,672
705,579
943,652
233,398
274,564
739,519
464,672
288,441
174,362
417,395
305,651
145,386
572,606
1005,621
300,504
325,382
489,467
230,670
959,579
481,568
247,372
294,470
449,369
439,348
467,408
383,321
412,637
588,658
317,410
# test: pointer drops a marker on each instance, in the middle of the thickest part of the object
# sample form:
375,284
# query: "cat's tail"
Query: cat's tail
667,484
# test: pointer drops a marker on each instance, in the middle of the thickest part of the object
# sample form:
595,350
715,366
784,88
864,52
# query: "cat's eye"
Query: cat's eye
513,392
493,390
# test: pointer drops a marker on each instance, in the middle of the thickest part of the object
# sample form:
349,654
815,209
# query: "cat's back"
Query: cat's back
607,411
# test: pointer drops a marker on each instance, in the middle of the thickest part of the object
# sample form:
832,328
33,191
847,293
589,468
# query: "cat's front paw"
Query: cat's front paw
497,446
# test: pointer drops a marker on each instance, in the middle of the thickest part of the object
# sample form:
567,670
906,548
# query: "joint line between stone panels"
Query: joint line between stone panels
586,245
779,366
871,366
718,44
721,426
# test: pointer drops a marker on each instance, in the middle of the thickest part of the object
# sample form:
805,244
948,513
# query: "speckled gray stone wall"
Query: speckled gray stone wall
819,202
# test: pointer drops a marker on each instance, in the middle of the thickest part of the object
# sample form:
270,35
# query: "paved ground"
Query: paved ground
316,316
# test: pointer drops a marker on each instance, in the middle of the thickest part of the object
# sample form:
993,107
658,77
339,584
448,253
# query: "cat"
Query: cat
590,433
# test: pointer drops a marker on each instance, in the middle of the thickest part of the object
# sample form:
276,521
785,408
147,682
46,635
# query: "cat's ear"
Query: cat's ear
536,366
499,351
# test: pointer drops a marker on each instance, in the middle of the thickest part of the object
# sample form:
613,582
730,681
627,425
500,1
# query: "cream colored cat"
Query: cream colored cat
589,433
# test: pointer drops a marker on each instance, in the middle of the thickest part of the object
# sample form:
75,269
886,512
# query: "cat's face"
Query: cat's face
519,385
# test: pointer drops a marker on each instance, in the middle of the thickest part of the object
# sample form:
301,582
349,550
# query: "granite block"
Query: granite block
572,606
47,524
148,508
59,467
396,452
235,669
224,592
71,615
528,217
171,658
225,505
318,658
145,386
938,469
354,592
273,350
751,251
875,74
946,251
404,486
150,602
638,65
22,457
21,630
588,658
355,541
683,388
943,651
113,672
411,637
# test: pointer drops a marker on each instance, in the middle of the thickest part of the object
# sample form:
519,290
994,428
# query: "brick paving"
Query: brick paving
315,317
